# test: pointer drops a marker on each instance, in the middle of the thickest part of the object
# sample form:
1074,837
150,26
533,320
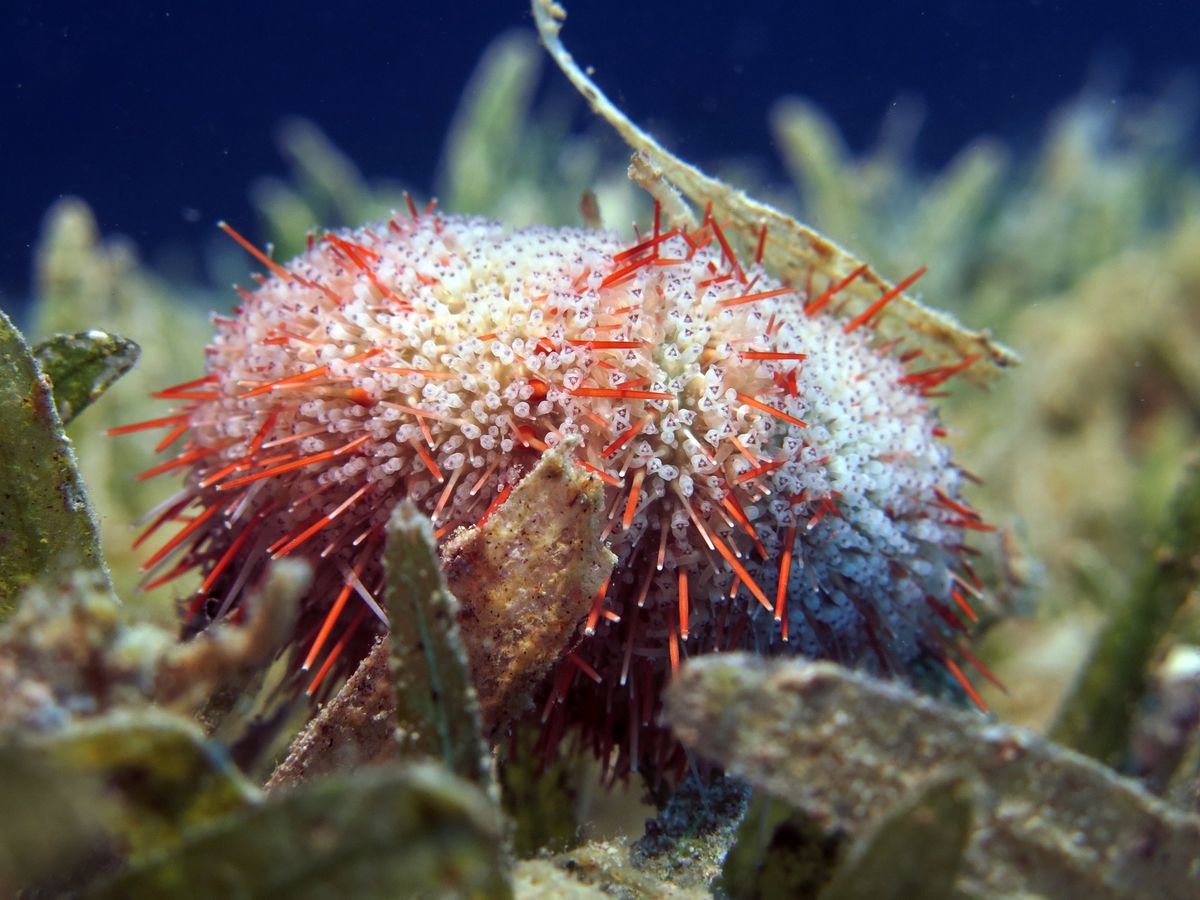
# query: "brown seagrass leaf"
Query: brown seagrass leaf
792,251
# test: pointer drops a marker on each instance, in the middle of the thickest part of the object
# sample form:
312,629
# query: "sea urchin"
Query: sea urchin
774,476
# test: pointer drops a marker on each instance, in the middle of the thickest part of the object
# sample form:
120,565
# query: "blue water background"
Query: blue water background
161,115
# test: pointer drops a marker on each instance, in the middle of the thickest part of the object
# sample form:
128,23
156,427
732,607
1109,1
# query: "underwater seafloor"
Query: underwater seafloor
136,766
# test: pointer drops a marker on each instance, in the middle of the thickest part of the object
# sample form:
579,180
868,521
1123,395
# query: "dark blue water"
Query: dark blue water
161,115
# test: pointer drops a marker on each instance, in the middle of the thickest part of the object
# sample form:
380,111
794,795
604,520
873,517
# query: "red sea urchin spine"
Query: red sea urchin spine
757,450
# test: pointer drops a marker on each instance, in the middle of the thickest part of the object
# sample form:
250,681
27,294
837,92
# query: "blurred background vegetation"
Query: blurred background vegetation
1082,252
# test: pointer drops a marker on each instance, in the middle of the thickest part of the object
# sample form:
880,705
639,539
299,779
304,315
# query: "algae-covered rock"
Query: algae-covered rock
541,879
688,841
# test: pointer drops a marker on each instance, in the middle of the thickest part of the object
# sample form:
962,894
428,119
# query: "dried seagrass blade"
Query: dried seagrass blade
385,832
847,748
83,366
792,251
46,524
526,580
524,583
437,707
356,728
